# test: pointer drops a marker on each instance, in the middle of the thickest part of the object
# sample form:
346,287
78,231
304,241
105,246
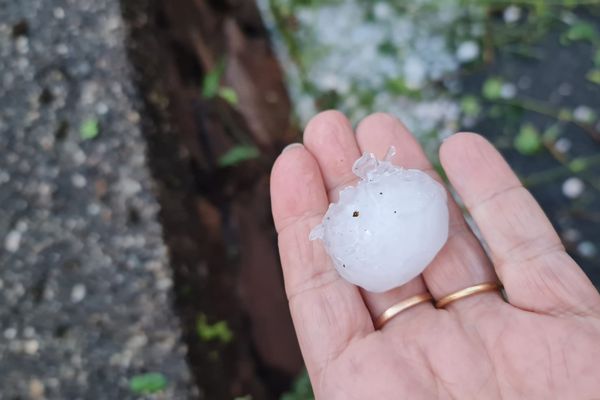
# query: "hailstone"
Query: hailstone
384,231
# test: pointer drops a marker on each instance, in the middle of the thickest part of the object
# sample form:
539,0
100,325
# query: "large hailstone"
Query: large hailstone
384,231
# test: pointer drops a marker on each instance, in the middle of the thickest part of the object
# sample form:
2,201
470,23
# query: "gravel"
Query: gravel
85,284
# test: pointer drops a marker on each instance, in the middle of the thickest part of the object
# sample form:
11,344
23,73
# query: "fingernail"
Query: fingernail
291,146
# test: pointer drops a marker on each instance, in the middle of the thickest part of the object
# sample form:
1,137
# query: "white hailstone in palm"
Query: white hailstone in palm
384,231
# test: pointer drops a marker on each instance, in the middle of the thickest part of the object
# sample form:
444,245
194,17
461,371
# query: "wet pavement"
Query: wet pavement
85,287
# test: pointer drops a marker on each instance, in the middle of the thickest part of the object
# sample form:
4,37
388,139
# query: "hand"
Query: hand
544,343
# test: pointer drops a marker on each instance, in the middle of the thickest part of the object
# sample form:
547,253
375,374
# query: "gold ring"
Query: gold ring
399,307
466,292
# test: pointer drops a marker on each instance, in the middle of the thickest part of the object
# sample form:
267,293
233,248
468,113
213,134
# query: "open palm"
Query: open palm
544,343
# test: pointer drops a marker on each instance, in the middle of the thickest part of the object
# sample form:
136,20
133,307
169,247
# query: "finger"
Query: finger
527,253
330,138
461,262
328,312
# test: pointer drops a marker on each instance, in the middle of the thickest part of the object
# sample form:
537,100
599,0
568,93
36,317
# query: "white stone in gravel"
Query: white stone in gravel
467,51
573,187
29,332
58,13
31,347
384,231
10,333
36,389
78,293
78,181
12,242
130,186
22,44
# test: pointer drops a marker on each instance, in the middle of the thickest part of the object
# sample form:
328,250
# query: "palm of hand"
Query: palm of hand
544,343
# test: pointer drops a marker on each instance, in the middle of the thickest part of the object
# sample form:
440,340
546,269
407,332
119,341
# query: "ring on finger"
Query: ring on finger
466,292
399,307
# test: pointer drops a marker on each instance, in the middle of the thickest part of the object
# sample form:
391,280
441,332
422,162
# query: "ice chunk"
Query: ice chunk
385,230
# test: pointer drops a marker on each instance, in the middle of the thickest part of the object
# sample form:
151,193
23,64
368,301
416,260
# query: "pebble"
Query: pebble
31,347
36,389
573,187
12,242
29,332
10,333
78,293
59,13
78,181
22,44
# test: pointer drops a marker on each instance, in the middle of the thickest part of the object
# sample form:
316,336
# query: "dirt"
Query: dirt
216,221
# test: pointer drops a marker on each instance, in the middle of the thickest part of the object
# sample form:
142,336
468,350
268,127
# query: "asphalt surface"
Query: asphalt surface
85,286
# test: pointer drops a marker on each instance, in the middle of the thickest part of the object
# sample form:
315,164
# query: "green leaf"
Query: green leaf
89,129
151,382
238,154
229,95
212,81
217,331
470,106
594,76
528,140
301,389
398,86
492,88
565,114
551,133
581,31
577,165
387,47
597,58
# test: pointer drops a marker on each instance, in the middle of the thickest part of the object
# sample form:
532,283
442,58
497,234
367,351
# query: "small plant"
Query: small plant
528,141
238,154
492,88
211,86
149,383
208,332
89,129
301,389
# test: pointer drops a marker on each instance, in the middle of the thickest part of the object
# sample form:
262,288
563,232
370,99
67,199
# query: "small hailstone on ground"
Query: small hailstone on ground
562,145
467,51
573,187
587,249
384,231
511,14
584,114
508,91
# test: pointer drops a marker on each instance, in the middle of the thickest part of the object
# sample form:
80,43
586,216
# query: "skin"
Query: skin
543,343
